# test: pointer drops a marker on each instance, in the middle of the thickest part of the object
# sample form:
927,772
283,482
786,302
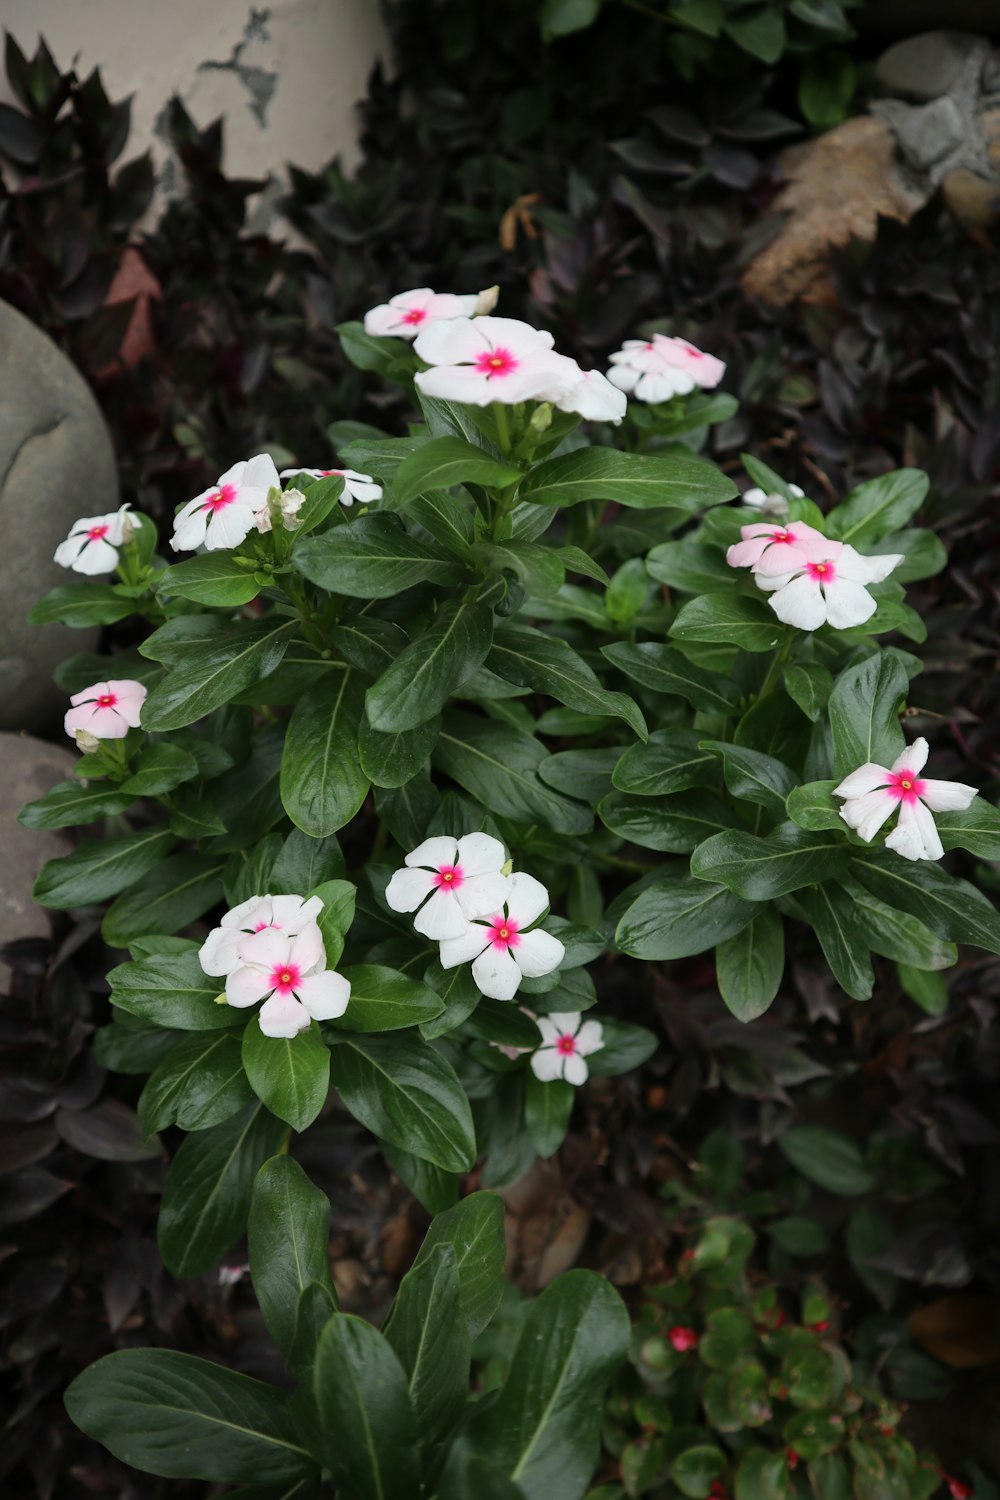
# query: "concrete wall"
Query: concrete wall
286,74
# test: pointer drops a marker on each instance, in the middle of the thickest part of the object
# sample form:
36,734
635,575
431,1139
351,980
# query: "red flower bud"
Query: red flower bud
683,1339
957,1490
718,1490
822,1326
791,1458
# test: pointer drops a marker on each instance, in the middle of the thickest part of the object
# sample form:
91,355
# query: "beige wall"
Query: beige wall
286,74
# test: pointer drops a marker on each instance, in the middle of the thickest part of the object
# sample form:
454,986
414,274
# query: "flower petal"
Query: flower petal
527,898
866,778
483,895
306,948
848,603
915,835
547,1064
283,1016
248,913
267,948
454,341
479,854
496,974
575,1069
229,527
538,953
799,603
590,1037
292,913
441,917
408,888
325,996
459,950
440,850
246,986
867,814
914,757
947,796
551,1029
218,954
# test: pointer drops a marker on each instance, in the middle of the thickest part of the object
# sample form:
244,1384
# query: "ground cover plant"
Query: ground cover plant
433,727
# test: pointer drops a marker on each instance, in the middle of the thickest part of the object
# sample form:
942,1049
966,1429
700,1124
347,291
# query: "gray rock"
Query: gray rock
928,133
925,67
56,463
30,769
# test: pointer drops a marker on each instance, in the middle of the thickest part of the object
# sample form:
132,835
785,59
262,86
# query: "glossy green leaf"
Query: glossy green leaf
435,1189
547,664
291,1075
100,868
288,1234
199,1083
864,713
630,479
752,776
977,829
877,507
173,991
625,1048
828,1158
322,783
474,1230
210,674
678,916
547,1108
82,606
814,806
761,869
809,685
499,766
391,760
304,863
831,915
428,1333
431,668
951,908
384,1000
666,670
160,768
730,617
447,461
695,1469
366,1418
372,558
405,1092
217,578
207,1193
749,965
670,761
178,891
70,803
896,934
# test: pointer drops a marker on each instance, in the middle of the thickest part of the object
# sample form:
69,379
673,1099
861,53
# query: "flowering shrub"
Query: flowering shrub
331,691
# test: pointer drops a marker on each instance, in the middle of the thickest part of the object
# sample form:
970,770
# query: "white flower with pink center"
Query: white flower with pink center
225,515
828,588
108,710
704,369
219,953
93,542
656,369
586,392
769,504
356,486
290,975
409,313
487,359
873,793
503,947
772,549
566,1045
462,877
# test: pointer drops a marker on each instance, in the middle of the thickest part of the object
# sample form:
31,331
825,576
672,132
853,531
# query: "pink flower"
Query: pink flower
772,549
489,359
461,876
828,588
566,1045
656,369
93,542
873,793
219,953
410,313
586,392
356,486
704,369
225,515
108,710
683,1339
501,948
290,975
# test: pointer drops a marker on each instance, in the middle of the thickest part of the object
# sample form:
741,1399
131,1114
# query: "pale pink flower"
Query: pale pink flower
656,369
93,542
829,588
500,946
769,504
226,514
484,360
566,1045
409,313
873,793
290,975
705,370
108,710
462,877
356,486
586,392
219,953
771,549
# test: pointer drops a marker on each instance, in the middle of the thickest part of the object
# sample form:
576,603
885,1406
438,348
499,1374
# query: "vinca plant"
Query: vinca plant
418,747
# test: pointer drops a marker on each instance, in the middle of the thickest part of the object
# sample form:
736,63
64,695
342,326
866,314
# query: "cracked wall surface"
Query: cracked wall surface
286,74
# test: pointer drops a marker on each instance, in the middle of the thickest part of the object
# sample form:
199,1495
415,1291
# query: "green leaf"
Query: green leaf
864,712
670,761
749,965
173,991
474,1230
951,908
428,1333
625,1048
384,1000
291,1075
877,507
831,915
405,1092
186,1418
447,461
745,621
435,1189
207,1193
678,916
752,776
895,934
763,869
695,1469
548,664
547,1108
561,17
211,674
322,783
829,1159
288,1234
218,578
100,868
159,769
812,806
674,825
82,606
366,1418
923,554
368,352
582,774
432,667
70,803
763,1475
339,898
826,87
664,670
372,558
798,1235
199,1083
391,760
499,766
809,686
977,829
691,567
761,32
542,1429
178,891
131,1049
305,863
631,479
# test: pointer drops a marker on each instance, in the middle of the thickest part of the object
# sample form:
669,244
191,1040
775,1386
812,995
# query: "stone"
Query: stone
974,200
30,769
929,132
56,464
925,67
837,186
